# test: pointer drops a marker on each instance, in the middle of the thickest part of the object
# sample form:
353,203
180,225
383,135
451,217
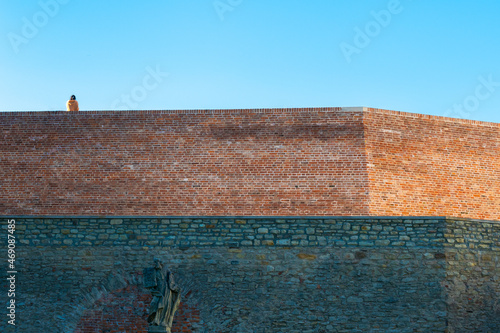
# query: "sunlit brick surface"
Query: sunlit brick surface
325,161
432,166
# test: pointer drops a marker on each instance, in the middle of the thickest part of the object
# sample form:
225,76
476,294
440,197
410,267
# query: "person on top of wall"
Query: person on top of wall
72,104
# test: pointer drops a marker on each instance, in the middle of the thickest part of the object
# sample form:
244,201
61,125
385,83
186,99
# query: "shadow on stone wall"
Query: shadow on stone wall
369,275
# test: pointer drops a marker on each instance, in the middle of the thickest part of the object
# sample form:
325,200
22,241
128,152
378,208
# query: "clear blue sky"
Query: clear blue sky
432,57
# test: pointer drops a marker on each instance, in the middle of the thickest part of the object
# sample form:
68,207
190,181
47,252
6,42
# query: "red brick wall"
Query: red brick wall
126,310
432,166
248,162
233,162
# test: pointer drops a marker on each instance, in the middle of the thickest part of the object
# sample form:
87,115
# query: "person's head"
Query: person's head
158,263
73,98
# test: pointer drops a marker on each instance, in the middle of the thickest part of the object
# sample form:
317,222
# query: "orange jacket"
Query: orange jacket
72,105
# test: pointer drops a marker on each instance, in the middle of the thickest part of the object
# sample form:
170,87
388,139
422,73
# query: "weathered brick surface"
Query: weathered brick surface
239,162
255,274
427,166
328,161
126,310
262,274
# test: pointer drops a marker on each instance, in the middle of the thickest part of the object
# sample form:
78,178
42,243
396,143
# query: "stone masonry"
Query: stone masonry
262,274
275,220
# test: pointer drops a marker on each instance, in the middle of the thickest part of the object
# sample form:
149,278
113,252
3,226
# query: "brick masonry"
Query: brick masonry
424,165
268,162
261,274
96,195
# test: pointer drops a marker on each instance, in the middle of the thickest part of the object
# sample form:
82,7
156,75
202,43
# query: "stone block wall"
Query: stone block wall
261,274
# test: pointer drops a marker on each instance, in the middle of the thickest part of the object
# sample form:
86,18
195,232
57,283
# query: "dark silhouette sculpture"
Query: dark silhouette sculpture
166,297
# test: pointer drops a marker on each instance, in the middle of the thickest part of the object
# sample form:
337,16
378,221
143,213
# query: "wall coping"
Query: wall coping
356,109
324,217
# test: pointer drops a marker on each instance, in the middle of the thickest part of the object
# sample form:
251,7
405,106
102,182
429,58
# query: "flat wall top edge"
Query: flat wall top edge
365,110
443,218
195,111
